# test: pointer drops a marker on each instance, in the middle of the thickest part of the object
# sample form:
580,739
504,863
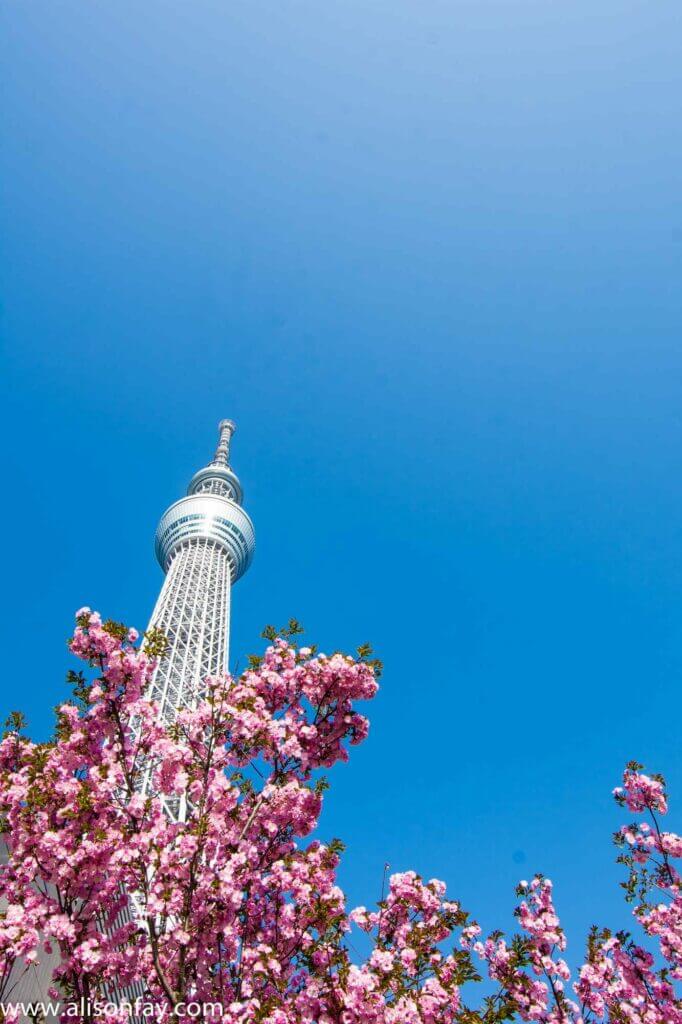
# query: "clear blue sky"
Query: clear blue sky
427,255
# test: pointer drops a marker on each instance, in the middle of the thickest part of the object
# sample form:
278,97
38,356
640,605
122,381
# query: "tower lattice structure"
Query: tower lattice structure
204,543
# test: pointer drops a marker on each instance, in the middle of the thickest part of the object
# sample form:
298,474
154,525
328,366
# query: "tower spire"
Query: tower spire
222,452
218,477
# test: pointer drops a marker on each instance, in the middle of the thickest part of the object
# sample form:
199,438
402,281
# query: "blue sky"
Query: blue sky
427,255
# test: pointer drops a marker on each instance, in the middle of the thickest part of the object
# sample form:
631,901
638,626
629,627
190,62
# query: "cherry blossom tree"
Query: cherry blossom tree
176,861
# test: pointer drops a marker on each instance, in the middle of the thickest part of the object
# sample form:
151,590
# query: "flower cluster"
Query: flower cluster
641,792
619,982
407,978
530,970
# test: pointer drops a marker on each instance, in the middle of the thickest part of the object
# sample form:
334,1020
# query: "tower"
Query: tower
204,543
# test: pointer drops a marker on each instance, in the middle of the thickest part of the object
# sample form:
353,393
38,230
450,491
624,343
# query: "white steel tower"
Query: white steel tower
204,543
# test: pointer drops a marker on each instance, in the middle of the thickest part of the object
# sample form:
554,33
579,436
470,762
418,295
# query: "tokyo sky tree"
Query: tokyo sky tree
204,543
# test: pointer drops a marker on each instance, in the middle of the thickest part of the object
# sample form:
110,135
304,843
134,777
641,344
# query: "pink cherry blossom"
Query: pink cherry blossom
177,861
